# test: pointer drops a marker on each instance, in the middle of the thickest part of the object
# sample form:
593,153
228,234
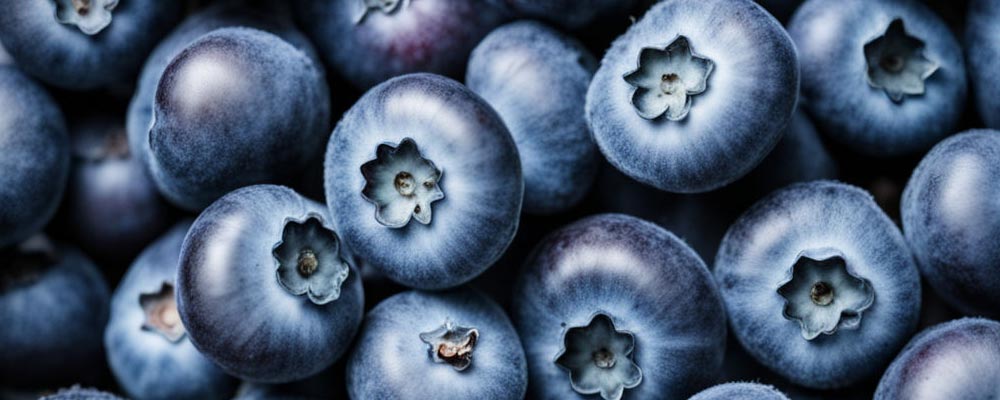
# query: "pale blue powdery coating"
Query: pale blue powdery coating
146,364
958,359
53,323
756,257
234,309
237,107
831,35
751,93
982,41
481,179
951,217
391,361
646,280
63,56
35,157
536,78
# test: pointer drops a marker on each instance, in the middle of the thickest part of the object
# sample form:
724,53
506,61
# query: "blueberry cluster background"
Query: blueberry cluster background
120,168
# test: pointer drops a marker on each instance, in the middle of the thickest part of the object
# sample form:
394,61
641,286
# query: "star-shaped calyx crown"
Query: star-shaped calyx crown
451,344
401,184
599,359
160,308
667,79
822,295
309,261
896,63
90,16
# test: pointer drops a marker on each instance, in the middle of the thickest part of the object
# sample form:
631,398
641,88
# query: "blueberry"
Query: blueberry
959,359
369,41
84,44
819,284
883,77
148,349
35,158
54,304
80,393
238,106
951,217
615,305
740,391
570,14
112,207
263,288
536,78
423,181
982,37
448,345
684,106
265,15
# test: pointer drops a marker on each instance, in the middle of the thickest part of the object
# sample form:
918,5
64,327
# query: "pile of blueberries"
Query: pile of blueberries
457,199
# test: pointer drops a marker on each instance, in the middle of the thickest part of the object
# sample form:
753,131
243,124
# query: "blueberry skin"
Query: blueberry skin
4,57
569,14
433,36
146,364
982,28
390,361
831,36
261,118
63,56
959,359
35,157
951,218
536,78
761,247
453,127
112,208
79,393
740,391
226,265
751,93
642,276
265,15
54,314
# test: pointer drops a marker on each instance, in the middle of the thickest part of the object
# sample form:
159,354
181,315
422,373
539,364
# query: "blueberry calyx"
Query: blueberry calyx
599,358
90,16
385,6
402,184
160,308
451,344
309,261
666,80
896,63
822,294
